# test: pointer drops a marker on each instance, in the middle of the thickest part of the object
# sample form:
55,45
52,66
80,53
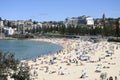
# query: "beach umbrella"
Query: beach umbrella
109,53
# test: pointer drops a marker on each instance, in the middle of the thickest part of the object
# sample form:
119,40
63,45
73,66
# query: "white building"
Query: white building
73,21
89,21
1,23
82,20
39,24
8,31
36,26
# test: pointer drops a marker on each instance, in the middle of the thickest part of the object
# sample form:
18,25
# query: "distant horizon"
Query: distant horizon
46,10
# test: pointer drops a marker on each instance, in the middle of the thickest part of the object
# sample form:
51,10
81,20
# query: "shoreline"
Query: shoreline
65,64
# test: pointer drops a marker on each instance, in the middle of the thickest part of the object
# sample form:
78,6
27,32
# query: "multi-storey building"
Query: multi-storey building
20,22
82,20
89,21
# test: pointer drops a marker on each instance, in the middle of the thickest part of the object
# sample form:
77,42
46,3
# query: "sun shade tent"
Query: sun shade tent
84,58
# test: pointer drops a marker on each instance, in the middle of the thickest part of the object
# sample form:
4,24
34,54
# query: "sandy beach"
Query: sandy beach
78,60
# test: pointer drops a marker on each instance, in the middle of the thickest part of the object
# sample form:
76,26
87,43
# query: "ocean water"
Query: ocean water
28,49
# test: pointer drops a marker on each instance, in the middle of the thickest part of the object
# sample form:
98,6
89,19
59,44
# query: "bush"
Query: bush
11,66
23,36
7,64
22,73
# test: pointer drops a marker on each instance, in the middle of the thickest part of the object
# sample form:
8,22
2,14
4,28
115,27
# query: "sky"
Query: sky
57,10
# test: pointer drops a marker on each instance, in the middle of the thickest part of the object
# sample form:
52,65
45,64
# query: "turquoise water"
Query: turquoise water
28,49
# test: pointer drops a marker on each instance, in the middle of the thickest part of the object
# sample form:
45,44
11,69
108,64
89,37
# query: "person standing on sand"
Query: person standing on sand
116,78
84,75
110,78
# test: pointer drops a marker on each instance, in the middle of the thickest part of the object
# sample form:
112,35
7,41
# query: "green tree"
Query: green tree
117,29
0,19
22,73
7,63
70,29
62,29
38,30
77,30
44,29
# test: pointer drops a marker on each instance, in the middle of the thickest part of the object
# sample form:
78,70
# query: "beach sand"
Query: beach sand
67,64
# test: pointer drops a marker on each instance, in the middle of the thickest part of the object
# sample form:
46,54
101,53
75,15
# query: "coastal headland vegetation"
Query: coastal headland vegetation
11,68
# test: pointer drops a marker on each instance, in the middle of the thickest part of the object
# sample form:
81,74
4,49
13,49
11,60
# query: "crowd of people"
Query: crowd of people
79,59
